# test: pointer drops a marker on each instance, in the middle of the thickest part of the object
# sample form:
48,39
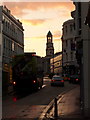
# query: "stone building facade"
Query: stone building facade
69,60
12,42
56,63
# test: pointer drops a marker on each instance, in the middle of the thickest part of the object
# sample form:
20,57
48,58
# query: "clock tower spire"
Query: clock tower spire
49,45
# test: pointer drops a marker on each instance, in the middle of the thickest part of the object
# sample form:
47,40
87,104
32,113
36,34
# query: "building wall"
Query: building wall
69,42
56,64
69,47
46,65
12,35
0,70
83,30
12,42
86,57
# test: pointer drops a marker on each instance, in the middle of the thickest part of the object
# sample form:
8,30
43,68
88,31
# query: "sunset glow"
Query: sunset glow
37,19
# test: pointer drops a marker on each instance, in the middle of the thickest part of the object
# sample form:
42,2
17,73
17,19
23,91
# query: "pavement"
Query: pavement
67,107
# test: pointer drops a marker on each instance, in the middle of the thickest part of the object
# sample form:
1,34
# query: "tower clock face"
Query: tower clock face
49,39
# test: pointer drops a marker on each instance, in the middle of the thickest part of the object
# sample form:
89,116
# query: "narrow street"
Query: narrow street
33,104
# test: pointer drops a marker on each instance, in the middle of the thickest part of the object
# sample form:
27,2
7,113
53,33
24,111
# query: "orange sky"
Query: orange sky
37,19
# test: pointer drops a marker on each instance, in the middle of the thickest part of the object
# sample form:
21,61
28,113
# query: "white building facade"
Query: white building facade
56,63
69,60
12,42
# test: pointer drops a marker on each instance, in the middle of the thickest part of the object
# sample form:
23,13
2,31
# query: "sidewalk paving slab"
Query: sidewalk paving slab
68,107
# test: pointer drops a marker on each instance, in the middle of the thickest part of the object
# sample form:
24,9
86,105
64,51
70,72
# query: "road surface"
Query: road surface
33,104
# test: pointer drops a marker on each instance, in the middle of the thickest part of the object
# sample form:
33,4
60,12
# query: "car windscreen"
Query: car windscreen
57,78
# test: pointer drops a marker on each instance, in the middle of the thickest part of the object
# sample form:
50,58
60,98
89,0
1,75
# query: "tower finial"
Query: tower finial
49,33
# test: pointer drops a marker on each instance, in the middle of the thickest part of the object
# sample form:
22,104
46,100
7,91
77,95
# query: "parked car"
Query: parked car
57,81
74,79
66,77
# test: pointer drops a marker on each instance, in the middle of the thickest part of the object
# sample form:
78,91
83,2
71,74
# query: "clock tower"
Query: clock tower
49,45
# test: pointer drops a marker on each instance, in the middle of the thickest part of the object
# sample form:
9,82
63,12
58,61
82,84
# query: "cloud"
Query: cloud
33,21
38,18
36,37
57,39
57,33
18,8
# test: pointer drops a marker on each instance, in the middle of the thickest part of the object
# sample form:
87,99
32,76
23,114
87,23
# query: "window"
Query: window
71,56
66,57
0,50
79,23
3,17
66,29
79,9
13,46
72,46
66,43
4,42
63,32
0,27
71,28
74,26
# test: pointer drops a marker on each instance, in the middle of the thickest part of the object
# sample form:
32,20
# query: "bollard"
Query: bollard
55,109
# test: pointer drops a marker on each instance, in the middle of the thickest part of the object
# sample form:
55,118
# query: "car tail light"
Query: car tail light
68,78
52,80
76,79
14,83
62,80
34,81
14,99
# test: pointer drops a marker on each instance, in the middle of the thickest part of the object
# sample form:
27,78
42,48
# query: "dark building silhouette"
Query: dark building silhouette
49,53
49,45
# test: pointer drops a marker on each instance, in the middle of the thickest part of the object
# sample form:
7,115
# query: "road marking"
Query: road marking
43,86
